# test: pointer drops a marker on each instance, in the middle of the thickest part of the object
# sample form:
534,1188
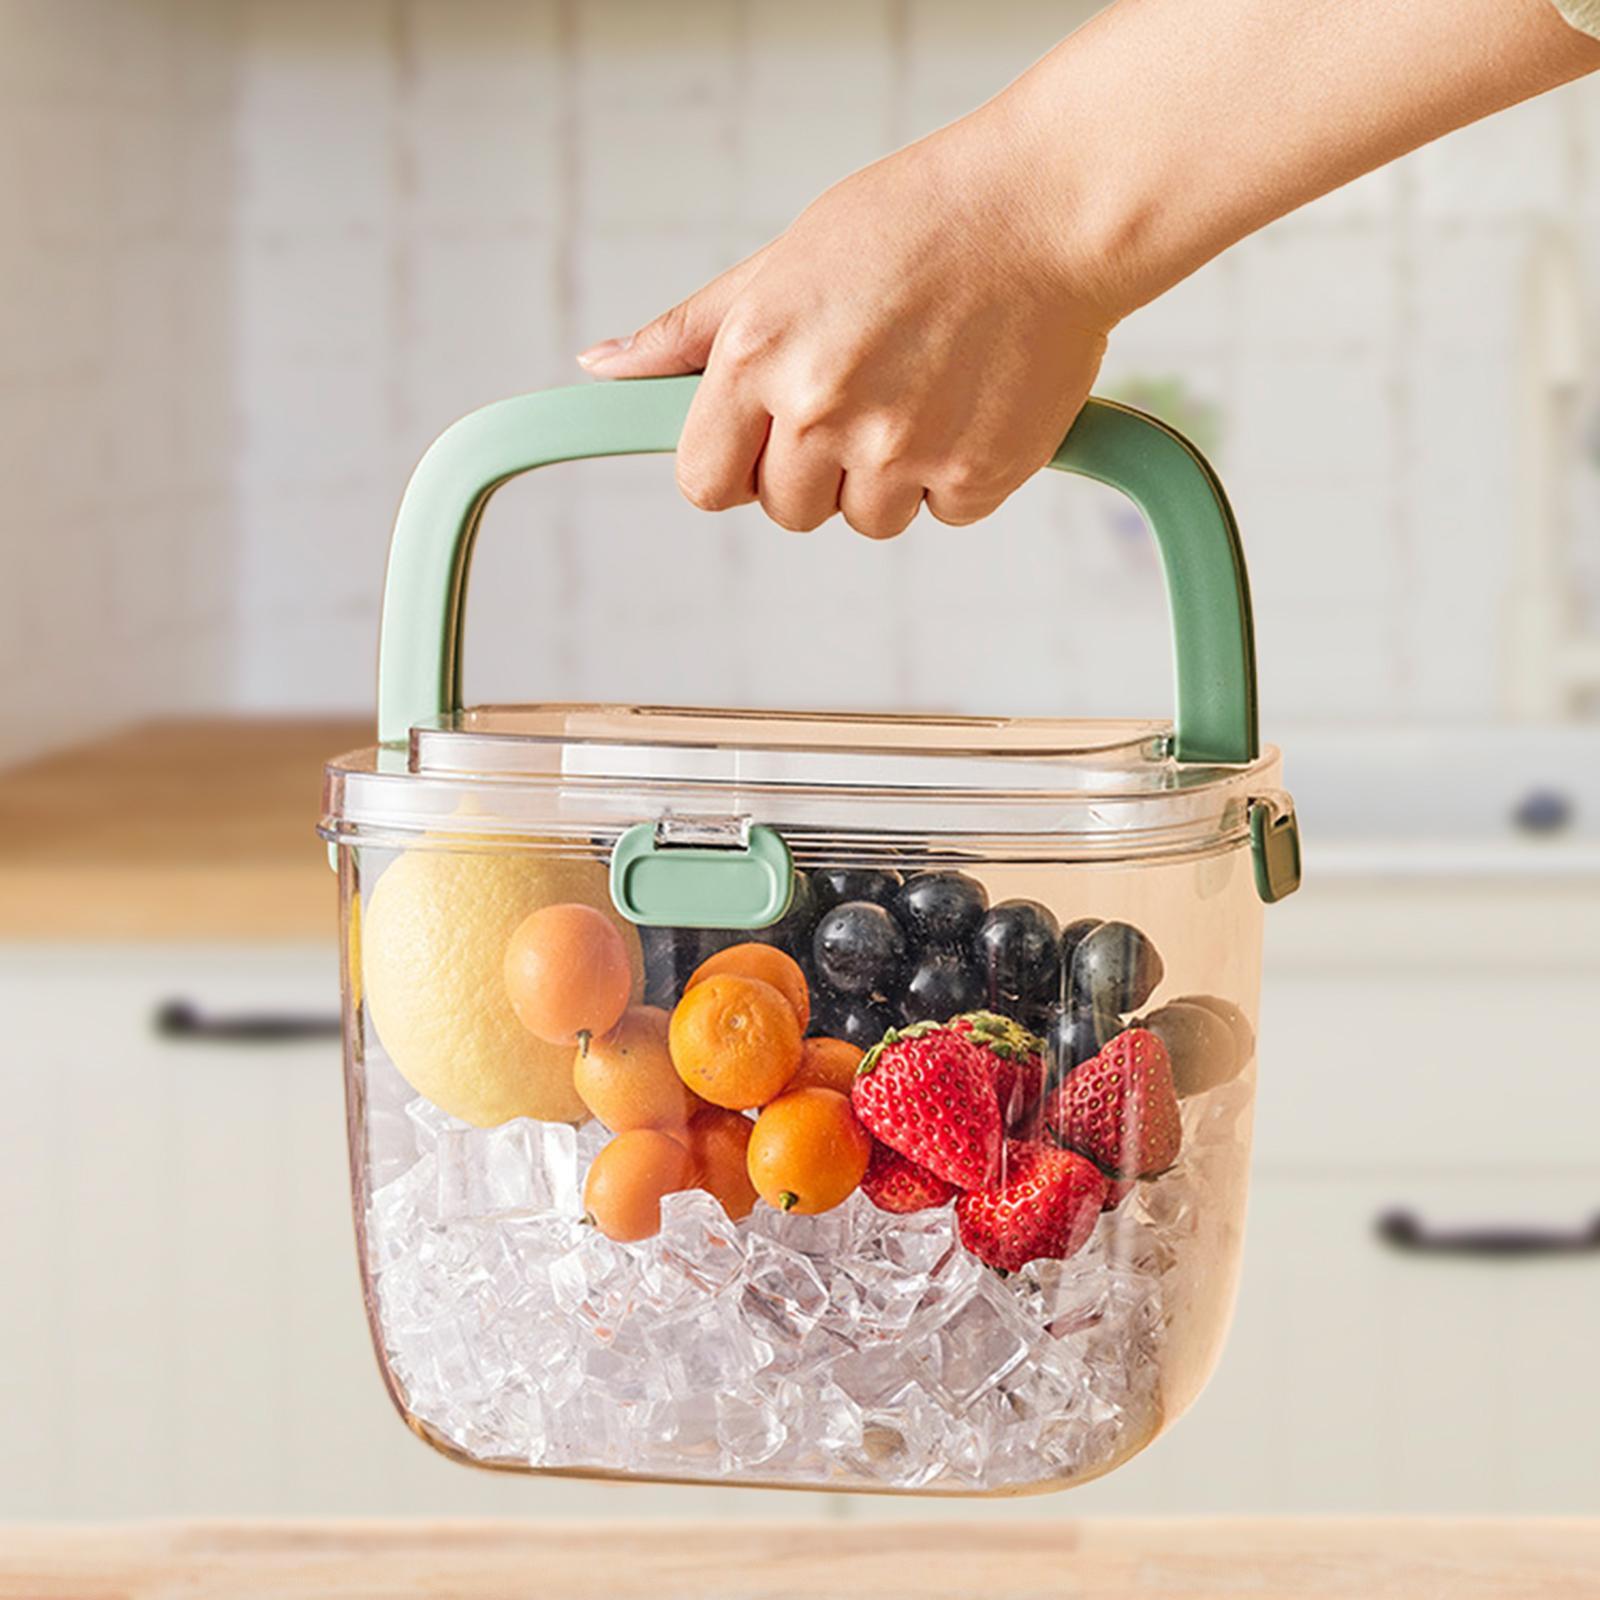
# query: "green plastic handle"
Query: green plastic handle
419,658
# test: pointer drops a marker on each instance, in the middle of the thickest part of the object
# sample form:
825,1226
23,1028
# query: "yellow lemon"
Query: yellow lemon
433,942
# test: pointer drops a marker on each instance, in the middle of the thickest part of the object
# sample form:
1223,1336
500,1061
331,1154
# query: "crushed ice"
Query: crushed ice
850,1349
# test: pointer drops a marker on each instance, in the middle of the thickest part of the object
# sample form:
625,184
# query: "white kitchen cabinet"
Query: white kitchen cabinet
1441,1026
1437,1071
182,1331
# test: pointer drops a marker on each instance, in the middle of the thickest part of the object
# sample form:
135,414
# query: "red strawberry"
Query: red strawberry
1016,1064
1120,1108
1117,1190
896,1183
925,1091
1046,1207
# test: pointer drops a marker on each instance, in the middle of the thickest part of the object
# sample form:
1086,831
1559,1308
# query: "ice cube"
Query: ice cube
873,1377
679,1439
429,1122
699,1250
951,1283
593,1137
456,1365
805,1359
1046,1387
834,1420
510,1413
784,1294
903,1445
544,1349
1066,1297
1166,1205
519,1254
712,1349
391,1135
593,1430
750,1430
596,1283
623,1369
921,1242
830,1234
520,1168
400,1211
971,1353
967,1450
873,1302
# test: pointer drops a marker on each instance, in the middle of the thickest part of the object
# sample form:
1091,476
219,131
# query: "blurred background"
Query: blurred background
255,254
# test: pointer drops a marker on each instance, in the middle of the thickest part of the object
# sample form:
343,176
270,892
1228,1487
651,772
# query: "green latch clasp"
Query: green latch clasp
680,873
1275,846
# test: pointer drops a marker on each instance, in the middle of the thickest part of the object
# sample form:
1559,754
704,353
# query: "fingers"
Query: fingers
723,437
879,505
798,479
726,428
848,444
960,496
679,340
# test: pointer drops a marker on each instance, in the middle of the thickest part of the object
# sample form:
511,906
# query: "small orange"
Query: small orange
808,1152
763,961
626,1181
734,1041
718,1142
567,974
626,1077
827,1064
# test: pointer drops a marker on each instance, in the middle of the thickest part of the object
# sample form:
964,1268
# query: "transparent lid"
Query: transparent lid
842,785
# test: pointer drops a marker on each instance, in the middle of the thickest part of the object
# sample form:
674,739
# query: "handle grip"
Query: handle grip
1404,1231
419,668
179,1019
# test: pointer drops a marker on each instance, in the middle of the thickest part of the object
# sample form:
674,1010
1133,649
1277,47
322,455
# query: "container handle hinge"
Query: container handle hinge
702,833
1275,845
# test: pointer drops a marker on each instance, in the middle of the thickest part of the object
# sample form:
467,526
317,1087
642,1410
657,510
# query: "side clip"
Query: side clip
1275,846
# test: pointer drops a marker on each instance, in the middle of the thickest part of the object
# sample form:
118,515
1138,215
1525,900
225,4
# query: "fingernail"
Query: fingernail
608,349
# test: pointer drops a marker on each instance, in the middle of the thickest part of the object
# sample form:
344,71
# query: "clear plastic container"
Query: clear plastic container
621,1214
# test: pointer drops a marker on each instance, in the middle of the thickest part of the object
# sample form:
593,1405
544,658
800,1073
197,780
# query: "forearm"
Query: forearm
1165,130
928,329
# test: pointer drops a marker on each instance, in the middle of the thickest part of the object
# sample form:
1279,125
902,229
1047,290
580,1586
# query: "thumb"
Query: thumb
678,340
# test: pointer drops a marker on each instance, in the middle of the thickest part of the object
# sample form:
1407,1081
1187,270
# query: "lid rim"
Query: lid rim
1118,792
804,751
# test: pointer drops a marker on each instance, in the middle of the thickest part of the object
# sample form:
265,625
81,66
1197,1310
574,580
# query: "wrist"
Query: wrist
1118,217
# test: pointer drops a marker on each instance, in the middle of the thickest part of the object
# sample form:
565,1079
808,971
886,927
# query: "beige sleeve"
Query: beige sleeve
1584,15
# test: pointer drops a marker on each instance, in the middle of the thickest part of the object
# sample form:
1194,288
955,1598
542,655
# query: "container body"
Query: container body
936,1183
852,1348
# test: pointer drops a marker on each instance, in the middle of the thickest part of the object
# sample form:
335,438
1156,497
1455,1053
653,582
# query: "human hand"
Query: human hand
931,326
920,331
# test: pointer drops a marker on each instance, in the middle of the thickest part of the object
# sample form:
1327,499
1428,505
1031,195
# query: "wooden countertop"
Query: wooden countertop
1004,1559
193,829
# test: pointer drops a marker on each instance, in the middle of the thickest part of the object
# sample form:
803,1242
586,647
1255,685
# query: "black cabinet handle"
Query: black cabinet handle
178,1019
1403,1230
